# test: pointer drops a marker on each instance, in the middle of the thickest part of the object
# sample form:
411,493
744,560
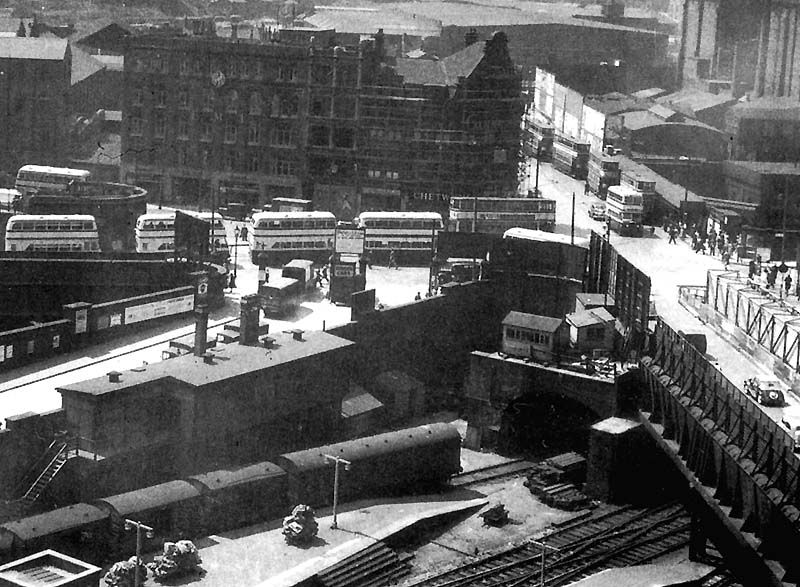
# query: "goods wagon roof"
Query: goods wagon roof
152,497
372,446
60,520
230,477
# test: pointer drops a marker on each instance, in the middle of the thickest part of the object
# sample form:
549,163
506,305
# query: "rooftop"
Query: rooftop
367,21
695,100
232,360
36,48
589,317
769,167
445,72
532,321
525,13
594,299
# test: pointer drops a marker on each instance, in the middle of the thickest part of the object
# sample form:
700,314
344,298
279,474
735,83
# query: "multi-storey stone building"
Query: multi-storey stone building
209,119
34,101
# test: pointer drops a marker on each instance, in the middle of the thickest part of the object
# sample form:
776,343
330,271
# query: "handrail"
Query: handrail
23,482
45,470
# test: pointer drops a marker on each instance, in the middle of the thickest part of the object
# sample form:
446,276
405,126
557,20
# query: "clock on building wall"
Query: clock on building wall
218,79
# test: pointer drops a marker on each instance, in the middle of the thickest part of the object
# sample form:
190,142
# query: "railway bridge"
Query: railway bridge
744,477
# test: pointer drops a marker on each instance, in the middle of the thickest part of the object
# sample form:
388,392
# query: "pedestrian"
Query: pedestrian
787,284
317,279
726,258
695,239
417,297
712,245
325,273
231,282
392,260
367,260
673,232
243,233
751,269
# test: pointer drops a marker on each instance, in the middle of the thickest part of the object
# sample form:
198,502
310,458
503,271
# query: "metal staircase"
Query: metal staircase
55,457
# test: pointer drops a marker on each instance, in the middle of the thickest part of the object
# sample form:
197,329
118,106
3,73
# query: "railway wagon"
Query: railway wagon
237,496
170,508
79,530
410,460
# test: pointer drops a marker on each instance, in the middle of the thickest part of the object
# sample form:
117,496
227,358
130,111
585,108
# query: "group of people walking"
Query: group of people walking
711,242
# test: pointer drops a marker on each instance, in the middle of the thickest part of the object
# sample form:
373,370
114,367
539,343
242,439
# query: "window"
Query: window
161,98
243,69
283,167
230,132
183,128
206,129
137,99
136,126
231,160
253,163
208,100
255,103
160,126
254,133
232,101
183,156
185,67
287,74
183,100
289,105
373,173
283,137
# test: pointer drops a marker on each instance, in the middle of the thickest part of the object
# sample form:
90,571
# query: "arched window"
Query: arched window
232,103
255,103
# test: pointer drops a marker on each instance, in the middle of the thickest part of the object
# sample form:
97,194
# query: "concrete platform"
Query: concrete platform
259,556
655,575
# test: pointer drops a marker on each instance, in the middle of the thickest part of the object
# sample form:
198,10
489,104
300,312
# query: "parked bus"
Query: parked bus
571,156
542,135
275,237
603,171
624,208
496,215
54,233
155,233
40,179
411,235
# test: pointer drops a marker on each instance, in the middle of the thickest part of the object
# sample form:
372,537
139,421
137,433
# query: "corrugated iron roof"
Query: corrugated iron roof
695,100
532,321
367,21
60,520
589,317
38,48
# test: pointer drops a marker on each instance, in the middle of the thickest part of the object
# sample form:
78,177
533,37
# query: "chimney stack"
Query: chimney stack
471,37
113,376
208,358
297,334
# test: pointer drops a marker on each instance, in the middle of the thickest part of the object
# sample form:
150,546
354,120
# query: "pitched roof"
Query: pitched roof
589,317
532,321
367,21
45,49
83,65
768,109
695,100
445,72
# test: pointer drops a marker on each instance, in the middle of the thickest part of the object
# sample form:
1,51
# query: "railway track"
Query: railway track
613,536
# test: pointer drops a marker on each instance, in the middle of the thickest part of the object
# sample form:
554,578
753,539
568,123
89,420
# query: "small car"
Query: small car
597,211
765,391
791,421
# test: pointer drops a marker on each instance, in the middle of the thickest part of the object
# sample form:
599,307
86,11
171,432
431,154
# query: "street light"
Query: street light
686,176
236,233
336,461
149,532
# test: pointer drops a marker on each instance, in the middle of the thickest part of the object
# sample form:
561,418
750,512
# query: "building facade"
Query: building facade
34,102
209,121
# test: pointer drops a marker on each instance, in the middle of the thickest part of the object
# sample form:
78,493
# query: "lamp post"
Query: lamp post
149,532
686,177
336,462
236,233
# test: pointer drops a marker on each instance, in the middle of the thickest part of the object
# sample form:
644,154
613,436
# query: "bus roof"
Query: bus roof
283,215
542,236
625,190
158,216
56,170
399,215
52,217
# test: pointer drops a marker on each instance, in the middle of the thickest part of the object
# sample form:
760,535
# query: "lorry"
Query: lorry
282,294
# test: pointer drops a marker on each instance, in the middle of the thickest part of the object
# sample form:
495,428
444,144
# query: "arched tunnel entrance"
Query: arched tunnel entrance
542,424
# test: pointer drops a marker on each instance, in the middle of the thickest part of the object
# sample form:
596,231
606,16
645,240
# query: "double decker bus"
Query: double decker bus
542,135
571,156
496,215
275,237
155,233
411,235
645,184
40,179
603,171
624,210
62,233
